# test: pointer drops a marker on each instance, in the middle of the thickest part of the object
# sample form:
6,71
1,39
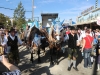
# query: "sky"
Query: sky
67,9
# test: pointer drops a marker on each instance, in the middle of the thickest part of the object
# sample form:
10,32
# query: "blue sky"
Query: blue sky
66,9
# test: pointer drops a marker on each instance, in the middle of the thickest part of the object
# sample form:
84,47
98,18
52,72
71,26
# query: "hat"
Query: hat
12,30
72,28
99,36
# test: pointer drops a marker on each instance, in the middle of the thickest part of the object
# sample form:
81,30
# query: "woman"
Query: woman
87,48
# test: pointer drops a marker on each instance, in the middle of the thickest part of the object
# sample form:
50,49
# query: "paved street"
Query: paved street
45,68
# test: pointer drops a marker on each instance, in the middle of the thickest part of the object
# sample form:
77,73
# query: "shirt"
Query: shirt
19,41
88,42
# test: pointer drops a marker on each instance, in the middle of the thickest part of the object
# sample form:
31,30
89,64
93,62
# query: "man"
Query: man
72,49
13,41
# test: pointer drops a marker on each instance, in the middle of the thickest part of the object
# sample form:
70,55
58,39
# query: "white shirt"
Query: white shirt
19,41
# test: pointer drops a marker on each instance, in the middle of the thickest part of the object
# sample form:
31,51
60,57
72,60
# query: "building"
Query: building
88,18
47,18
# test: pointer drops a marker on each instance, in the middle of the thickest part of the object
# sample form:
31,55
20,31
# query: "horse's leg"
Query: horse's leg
51,55
39,60
31,57
57,53
44,50
57,57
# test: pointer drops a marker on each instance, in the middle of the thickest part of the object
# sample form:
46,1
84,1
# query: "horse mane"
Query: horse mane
32,33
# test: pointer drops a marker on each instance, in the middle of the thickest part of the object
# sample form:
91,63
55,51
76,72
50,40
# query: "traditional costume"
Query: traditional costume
13,43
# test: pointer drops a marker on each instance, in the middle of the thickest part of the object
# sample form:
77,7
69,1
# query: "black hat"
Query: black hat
72,28
12,30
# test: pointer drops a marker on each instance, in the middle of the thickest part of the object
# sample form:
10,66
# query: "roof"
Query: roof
49,14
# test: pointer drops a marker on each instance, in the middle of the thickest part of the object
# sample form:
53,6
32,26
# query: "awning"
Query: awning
84,23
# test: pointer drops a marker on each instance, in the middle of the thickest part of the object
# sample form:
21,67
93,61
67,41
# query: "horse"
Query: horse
35,45
54,44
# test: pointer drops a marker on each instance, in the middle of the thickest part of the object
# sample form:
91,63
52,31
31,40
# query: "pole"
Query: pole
32,9
96,4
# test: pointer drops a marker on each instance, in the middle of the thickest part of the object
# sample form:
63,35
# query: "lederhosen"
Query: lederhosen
72,47
14,53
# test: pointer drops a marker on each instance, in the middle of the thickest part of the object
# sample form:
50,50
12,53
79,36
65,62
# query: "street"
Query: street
45,68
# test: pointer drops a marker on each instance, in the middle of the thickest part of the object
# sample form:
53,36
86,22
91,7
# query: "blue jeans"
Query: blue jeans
87,58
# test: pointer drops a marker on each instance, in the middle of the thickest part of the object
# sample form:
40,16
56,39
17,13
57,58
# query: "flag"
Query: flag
36,23
62,22
73,22
53,22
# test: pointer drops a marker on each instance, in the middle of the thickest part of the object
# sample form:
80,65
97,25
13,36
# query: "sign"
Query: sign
87,10
98,21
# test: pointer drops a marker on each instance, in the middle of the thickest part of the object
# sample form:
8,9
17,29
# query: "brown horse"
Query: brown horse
54,45
35,47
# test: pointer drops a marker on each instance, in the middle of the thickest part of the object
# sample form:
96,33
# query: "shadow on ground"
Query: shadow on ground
34,68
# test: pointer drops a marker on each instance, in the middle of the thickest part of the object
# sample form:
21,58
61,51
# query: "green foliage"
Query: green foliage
5,20
2,19
19,15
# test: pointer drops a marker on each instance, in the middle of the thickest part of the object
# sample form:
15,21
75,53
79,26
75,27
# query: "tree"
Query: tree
5,20
19,15
2,19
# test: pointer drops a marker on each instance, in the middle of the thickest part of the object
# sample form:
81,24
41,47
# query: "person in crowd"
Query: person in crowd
87,48
66,34
13,41
13,70
67,30
83,34
97,33
22,35
6,33
72,49
98,53
16,31
3,42
25,33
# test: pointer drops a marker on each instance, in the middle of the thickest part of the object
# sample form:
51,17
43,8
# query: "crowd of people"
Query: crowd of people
87,41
